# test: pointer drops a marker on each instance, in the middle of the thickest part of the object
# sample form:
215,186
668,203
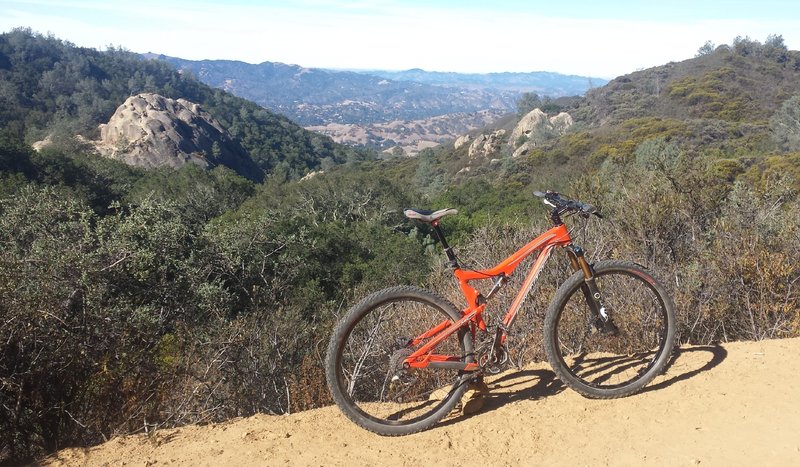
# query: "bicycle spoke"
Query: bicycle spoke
376,381
615,357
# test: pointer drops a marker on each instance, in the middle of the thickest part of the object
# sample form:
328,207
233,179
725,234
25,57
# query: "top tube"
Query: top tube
556,236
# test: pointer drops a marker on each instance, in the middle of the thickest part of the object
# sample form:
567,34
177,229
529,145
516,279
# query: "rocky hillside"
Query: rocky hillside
51,89
733,105
533,130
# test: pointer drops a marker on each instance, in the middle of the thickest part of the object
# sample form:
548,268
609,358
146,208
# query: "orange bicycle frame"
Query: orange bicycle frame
557,236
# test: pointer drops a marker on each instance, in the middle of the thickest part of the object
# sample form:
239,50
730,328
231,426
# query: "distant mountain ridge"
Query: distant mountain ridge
316,96
542,82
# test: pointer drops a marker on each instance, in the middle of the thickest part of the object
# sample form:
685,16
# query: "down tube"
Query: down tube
530,279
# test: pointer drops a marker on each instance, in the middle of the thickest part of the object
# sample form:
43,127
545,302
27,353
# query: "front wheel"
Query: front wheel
617,351
365,367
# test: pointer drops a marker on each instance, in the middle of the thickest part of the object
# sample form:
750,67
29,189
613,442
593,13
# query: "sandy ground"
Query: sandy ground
736,404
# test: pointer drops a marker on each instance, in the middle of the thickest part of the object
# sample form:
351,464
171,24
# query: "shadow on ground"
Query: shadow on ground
541,383
677,371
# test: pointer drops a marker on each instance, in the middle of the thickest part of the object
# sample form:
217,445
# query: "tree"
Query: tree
745,46
706,49
775,49
429,178
528,102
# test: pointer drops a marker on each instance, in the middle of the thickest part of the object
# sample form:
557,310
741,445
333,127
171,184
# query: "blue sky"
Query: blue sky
593,38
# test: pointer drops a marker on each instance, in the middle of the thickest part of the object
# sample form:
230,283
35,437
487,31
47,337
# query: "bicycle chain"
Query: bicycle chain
493,359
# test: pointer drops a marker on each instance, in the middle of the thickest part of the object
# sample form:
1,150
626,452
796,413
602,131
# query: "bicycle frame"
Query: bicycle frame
557,236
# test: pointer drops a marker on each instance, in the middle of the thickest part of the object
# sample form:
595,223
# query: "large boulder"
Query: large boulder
561,123
533,120
535,127
461,140
149,130
485,145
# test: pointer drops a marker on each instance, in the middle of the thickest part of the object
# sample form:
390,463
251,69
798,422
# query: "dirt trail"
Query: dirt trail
736,404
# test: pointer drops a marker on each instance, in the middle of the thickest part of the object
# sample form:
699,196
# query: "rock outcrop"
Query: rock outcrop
532,121
149,130
561,123
461,140
535,127
485,145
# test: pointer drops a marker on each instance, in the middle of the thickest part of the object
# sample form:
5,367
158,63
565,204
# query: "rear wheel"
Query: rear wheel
364,362
613,358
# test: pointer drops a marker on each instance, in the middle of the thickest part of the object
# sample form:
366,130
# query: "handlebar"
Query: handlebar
563,205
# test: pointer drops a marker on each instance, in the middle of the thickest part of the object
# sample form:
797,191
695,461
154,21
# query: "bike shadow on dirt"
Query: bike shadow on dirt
680,367
512,387
540,383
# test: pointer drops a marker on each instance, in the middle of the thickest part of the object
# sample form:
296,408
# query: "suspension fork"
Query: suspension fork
589,287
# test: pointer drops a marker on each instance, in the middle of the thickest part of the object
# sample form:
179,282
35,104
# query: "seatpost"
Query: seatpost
453,261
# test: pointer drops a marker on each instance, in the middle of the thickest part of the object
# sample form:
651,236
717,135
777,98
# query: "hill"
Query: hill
50,88
744,82
315,96
716,405
732,106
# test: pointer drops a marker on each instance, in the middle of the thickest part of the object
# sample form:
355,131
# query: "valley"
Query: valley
412,110
410,136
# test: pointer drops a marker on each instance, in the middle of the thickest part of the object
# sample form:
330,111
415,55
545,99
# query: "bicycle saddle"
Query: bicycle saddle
428,216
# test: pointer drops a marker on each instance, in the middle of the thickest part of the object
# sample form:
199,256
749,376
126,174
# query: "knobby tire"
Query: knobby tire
606,361
364,367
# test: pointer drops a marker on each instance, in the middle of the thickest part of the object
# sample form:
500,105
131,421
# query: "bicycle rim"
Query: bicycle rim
377,390
616,359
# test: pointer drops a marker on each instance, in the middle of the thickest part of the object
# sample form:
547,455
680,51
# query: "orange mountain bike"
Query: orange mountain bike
400,360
